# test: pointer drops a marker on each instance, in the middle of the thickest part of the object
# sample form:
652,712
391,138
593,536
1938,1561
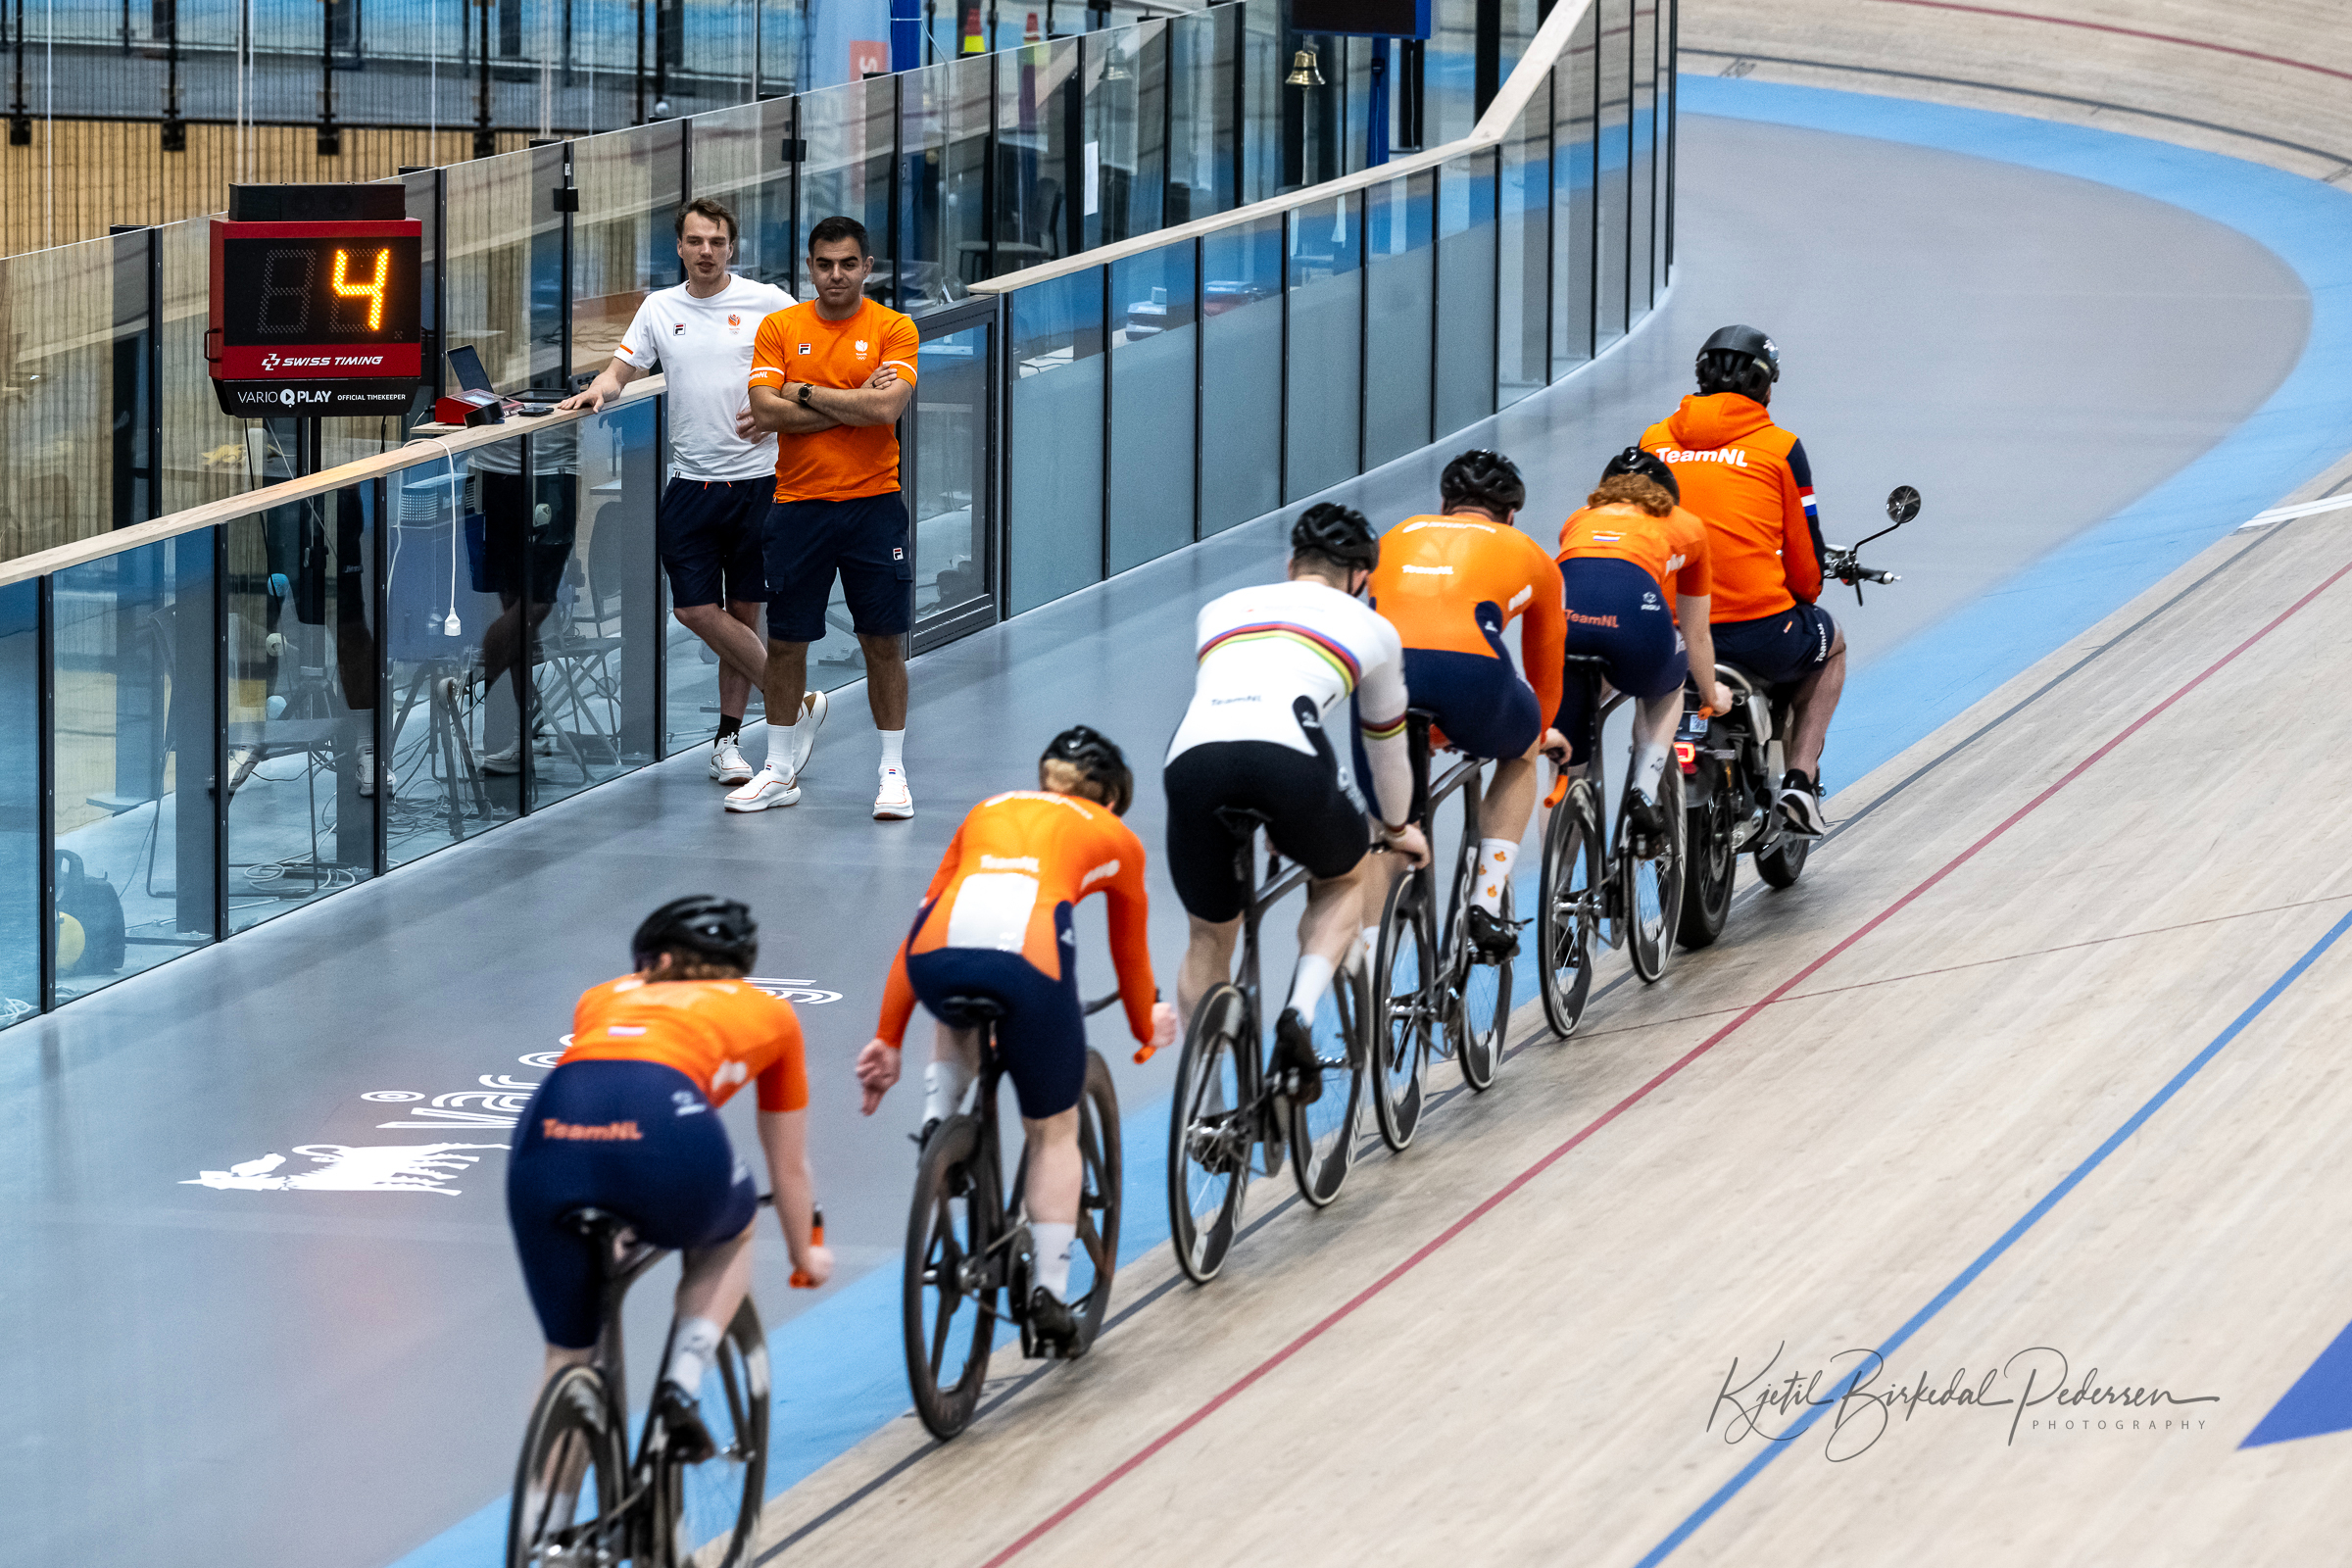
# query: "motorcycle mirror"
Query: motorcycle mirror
1902,504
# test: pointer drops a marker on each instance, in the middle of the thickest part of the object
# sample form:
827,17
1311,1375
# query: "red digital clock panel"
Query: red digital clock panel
316,302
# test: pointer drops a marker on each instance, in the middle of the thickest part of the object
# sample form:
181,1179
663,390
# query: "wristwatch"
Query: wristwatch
806,391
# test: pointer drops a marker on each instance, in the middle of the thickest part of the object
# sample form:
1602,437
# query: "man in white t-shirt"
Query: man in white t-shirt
722,469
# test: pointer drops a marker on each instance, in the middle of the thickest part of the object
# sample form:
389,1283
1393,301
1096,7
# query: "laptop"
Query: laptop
472,378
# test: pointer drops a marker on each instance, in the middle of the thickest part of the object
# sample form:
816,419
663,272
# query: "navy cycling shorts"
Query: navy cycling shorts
1042,1036
1616,613
1482,704
1778,649
711,540
635,1138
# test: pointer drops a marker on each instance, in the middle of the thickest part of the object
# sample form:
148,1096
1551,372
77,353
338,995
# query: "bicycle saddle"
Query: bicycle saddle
595,1224
1239,820
965,1011
1592,661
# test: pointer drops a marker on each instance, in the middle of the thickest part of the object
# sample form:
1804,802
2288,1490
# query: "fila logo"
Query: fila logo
677,329
804,348
898,552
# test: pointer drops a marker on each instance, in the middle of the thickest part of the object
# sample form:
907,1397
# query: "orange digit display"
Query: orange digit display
372,291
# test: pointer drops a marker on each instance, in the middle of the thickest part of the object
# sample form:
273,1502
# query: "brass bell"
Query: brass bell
1303,70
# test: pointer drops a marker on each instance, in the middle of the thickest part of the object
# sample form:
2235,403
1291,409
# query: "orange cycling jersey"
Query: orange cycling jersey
1672,548
719,1033
1435,572
1018,860
1750,479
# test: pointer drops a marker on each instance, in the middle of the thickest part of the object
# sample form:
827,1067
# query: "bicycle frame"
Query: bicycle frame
1279,884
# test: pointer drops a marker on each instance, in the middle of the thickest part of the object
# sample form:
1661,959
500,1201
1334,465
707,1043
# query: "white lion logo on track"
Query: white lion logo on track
376,1168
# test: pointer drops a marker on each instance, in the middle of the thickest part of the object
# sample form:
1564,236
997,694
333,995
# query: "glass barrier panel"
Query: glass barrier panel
1242,371
950,498
1520,20
304,785
1203,117
1036,105
1155,349
624,241
20,911
203,449
1612,290
1355,141
133,726
1661,245
1398,280
1642,175
1264,66
942,181
1053,440
1573,81
1127,132
451,579
488,205
1465,391
1523,288
740,160
1324,369
1449,103
57,325
589,596
852,135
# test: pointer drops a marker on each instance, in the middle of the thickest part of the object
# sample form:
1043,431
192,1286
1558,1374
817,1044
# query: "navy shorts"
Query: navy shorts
711,540
1778,649
1311,816
1482,704
635,1138
1042,1036
1616,613
864,540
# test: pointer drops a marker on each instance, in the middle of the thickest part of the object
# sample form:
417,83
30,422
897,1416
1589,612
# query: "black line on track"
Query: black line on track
1447,1097
2024,93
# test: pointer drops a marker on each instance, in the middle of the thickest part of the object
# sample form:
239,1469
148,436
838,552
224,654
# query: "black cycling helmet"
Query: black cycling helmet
1338,533
1742,360
719,930
1650,466
1092,753
1482,479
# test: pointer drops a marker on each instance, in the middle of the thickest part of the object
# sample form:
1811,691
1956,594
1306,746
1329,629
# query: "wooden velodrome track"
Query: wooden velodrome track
2035,1077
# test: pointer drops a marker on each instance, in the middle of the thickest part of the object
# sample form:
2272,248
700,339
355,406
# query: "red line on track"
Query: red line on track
1422,1254
2126,33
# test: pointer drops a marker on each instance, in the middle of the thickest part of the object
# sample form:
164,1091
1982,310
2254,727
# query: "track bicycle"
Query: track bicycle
579,1502
1436,997
1628,896
1231,1117
967,1240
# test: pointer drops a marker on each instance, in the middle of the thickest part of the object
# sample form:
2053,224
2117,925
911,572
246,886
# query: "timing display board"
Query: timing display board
317,317
1376,19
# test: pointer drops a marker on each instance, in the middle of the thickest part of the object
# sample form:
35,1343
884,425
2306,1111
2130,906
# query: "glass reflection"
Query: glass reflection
1152,381
20,911
1053,525
1240,371
950,464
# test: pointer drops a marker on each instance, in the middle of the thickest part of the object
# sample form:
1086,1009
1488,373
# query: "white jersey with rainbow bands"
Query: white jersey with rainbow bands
1263,648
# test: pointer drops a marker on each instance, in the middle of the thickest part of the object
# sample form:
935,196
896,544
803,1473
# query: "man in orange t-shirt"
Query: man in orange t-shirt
832,376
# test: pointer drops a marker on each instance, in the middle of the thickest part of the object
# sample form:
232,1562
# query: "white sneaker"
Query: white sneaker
769,787
505,760
726,761
804,734
893,802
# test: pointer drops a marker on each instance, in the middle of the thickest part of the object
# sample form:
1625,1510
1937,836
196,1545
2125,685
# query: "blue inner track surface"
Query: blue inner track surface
839,1372
2295,436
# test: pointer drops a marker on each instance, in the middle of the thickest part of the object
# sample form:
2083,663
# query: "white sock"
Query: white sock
894,749
779,746
944,1084
1649,766
1312,980
1053,1256
693,1348
1494,856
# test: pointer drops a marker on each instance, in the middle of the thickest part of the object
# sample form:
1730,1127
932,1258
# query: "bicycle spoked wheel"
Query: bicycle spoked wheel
1323,1132
570,1478
1096,1255
949,1301
1654,885
1403,1003
712,1508
1568,907
1485,1008
1209,1136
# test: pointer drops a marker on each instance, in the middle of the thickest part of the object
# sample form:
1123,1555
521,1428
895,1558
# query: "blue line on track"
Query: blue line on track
1934,676
1968,1276
2320,1401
